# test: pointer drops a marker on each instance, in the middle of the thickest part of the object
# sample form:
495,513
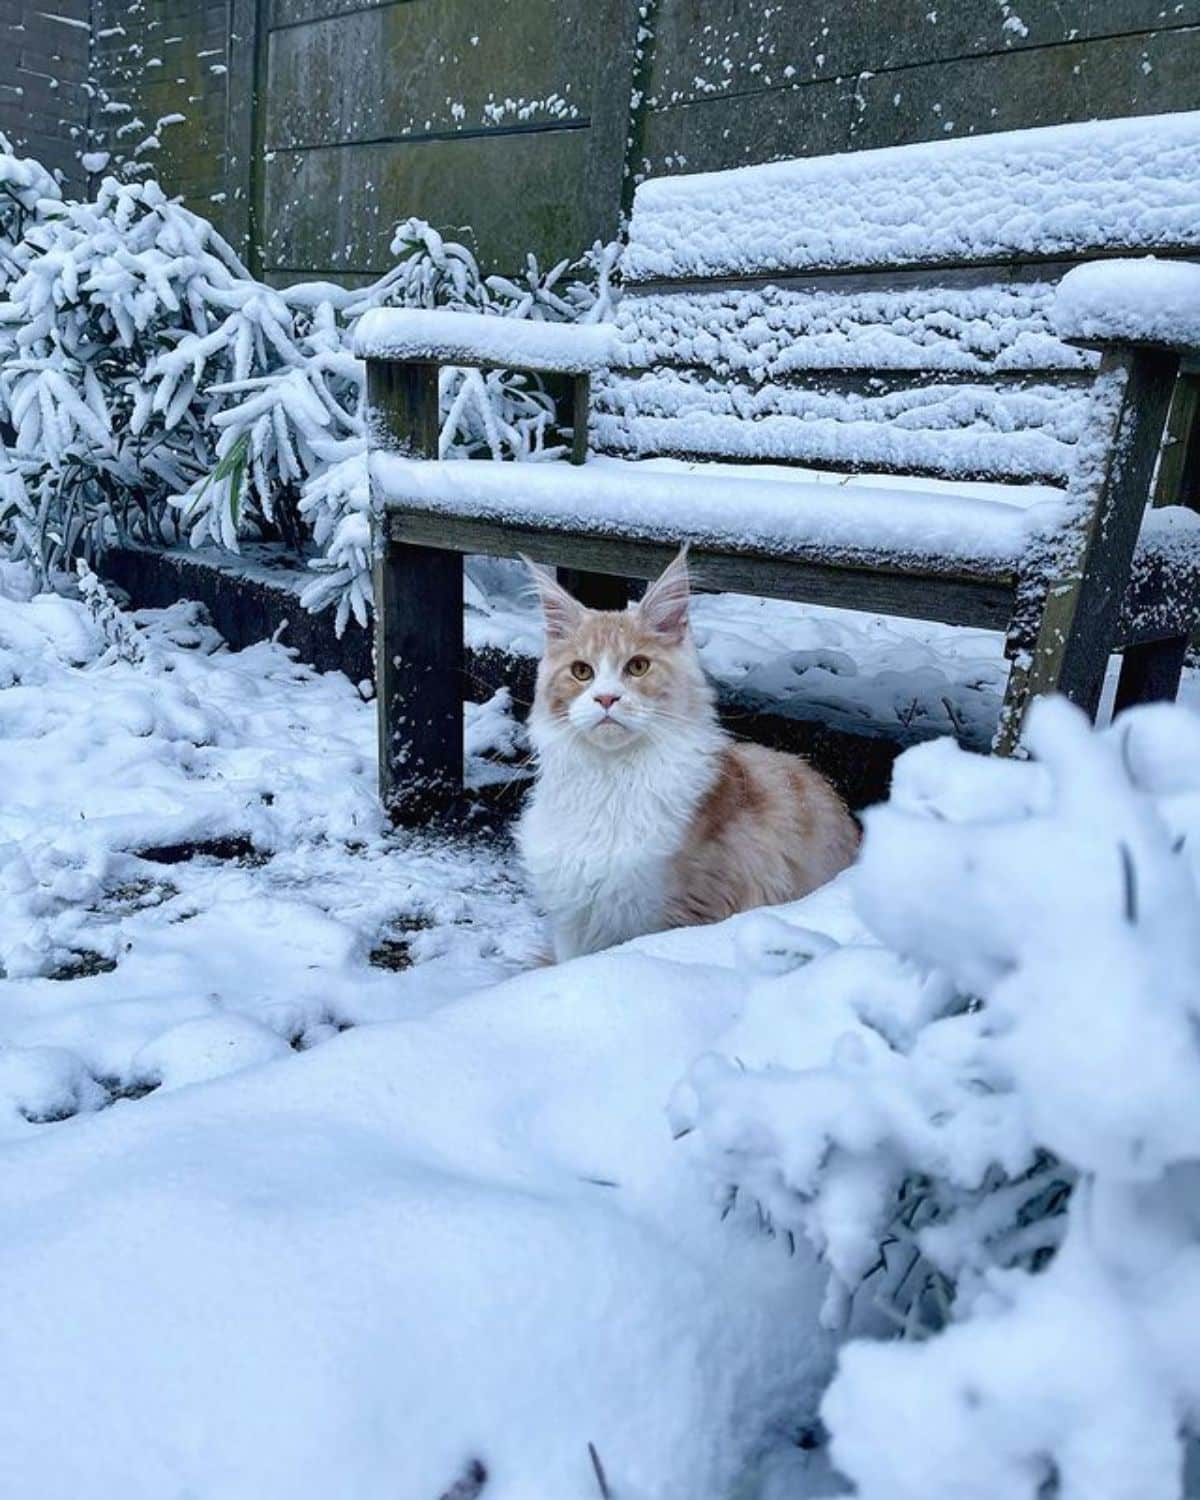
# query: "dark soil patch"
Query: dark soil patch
394,951
235,846
129,1090
83,966
135,895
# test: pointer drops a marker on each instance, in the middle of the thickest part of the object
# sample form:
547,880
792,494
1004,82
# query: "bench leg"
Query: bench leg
1150,673
1068,609
419,679
1083,689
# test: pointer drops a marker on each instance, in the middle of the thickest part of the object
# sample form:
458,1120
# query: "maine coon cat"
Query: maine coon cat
645,814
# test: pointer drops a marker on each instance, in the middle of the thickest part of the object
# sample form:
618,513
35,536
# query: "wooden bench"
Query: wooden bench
888,312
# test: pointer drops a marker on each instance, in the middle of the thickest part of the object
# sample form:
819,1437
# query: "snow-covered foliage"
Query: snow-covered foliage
115,315
151,389
988,1120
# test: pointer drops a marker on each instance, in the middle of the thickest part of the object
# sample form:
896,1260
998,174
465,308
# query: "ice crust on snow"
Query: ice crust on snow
1067,189
1146,301
518,343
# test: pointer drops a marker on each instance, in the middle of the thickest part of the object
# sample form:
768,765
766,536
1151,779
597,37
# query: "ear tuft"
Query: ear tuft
664,606
561,612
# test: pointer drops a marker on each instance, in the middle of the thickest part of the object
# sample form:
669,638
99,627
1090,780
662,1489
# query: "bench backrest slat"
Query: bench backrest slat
948,381
1073,190
886,309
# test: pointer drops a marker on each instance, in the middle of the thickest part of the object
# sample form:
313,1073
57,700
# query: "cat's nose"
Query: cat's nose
606,700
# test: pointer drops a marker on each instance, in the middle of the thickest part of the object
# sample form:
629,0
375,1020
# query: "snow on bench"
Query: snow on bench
780,517
472,339
1062,190
1146,301
887,312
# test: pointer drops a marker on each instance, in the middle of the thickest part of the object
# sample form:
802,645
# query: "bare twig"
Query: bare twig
469,1484
598,1469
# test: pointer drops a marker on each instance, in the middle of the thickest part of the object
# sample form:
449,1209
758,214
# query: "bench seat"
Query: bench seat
929,549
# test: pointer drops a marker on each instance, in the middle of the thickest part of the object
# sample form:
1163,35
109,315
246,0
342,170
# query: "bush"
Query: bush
151,389
986,1118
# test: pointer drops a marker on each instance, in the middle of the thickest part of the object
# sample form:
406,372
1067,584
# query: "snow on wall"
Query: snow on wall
1070,189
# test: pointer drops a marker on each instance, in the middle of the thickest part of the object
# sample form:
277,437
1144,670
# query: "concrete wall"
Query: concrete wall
508,117
156,60
44,47
736,81
311,126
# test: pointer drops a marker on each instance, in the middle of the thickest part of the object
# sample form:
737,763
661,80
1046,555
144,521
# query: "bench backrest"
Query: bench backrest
886,310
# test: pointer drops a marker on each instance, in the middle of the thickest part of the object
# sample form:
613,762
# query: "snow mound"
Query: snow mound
985,1113
362,1269
1144,301
208,1047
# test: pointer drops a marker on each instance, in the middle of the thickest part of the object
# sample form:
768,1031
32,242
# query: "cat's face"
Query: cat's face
610,679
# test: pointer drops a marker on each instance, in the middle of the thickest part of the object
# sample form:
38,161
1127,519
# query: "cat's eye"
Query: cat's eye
581,672
637,666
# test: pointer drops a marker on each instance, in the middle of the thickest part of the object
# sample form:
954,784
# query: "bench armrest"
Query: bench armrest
432,336
1145,303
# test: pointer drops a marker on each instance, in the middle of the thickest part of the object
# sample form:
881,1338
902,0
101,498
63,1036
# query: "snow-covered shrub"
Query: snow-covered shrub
118,316
303,426
151,389
988,1123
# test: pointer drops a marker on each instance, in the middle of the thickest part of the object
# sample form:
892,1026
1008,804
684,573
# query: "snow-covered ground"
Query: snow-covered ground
315,1182
263,1248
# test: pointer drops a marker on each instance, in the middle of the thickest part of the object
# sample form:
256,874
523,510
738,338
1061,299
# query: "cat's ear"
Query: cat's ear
562,613
664,606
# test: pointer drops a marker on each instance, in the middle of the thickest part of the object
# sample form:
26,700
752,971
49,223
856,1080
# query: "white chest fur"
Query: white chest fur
600,830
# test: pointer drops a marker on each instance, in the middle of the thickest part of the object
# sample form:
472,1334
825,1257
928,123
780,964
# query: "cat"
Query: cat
645,814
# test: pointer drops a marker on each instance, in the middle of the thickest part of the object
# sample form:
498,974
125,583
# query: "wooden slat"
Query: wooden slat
857,379
954,598
885,372
1077,599
1178,481
904,275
